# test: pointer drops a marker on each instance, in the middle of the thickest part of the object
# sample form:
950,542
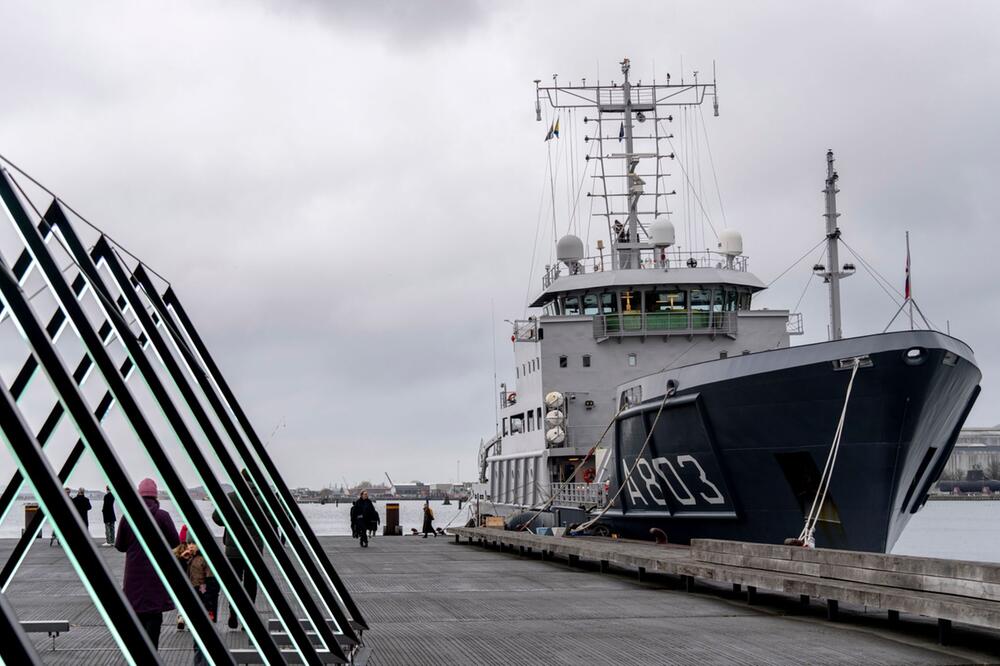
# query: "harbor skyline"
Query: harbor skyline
276,134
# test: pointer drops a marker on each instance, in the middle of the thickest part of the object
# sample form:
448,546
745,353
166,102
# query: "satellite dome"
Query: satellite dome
661,233
569,249
731,242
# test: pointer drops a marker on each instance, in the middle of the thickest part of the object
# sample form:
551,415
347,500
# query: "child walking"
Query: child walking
203,582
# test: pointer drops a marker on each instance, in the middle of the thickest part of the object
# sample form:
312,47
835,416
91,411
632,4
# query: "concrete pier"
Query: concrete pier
430,601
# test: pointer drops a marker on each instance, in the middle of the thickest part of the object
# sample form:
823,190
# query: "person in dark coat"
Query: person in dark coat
233,552
429,520
83,506
109,517
143,589
364,517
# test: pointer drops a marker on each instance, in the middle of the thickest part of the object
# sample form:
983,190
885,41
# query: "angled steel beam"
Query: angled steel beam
228,580
134,507
107,596
231,516
16,647
170,300
279,516
23,544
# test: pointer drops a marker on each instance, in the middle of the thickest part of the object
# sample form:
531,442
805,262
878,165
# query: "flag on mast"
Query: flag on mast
906,289
553,132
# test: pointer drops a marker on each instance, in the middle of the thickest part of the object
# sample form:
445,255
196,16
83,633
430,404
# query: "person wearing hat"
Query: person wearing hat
143,589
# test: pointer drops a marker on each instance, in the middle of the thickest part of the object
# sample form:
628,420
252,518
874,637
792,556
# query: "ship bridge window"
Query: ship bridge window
572,305
666,301
531,420
730,300
609,304
563,361
590,304
630,301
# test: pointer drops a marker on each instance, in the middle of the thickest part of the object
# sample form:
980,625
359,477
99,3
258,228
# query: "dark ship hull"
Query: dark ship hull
739,448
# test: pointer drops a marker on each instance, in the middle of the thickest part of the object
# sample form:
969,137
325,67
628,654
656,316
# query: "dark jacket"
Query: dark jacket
82,505
232,552
143,588
364,515
108,509
428,519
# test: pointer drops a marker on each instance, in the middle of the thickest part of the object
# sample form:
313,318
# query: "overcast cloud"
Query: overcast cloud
339,191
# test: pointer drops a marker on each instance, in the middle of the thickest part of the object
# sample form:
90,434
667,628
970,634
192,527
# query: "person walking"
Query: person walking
233,554
108,515
364,517
202,580
54,539
143,589
429,520
83,507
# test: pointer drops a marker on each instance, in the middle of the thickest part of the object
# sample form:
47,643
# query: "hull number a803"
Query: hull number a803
650,482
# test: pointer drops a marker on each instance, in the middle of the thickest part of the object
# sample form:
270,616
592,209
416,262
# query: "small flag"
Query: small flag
621,132
553,132
907,287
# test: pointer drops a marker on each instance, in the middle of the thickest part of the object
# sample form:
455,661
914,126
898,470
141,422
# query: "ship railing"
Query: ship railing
650,259
577,494
685,322
794,325
525,330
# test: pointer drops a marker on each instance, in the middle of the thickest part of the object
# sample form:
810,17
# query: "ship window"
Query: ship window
730,300
590,304
744,301
608,304
505,426
572,305
586,360
630,302
531,420
666,301
563,361
539,417
517,424
517,372
632,360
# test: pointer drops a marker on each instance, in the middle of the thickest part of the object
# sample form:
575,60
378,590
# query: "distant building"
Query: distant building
976,448
415,489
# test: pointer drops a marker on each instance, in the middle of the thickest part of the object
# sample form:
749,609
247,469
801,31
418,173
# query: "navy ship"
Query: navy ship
651,396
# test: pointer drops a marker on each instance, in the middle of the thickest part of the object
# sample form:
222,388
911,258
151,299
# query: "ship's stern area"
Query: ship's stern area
739,447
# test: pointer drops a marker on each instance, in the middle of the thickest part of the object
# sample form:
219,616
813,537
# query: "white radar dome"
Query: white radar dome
661,232
569,249
731,242
555,435
554,418
554,400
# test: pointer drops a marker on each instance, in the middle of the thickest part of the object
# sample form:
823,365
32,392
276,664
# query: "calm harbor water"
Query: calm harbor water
326,519
960,530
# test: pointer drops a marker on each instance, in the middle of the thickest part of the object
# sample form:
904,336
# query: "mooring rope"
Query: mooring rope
628,475
806,536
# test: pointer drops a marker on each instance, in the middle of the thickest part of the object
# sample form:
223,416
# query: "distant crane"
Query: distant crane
391,484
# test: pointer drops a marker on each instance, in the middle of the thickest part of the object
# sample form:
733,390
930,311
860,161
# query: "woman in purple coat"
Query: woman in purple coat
143,589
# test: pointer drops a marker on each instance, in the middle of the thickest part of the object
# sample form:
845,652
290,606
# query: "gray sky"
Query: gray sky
339,191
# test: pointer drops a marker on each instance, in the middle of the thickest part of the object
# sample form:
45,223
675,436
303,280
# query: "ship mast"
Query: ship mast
630,255
833,274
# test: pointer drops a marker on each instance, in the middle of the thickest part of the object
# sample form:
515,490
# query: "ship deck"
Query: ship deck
434,602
